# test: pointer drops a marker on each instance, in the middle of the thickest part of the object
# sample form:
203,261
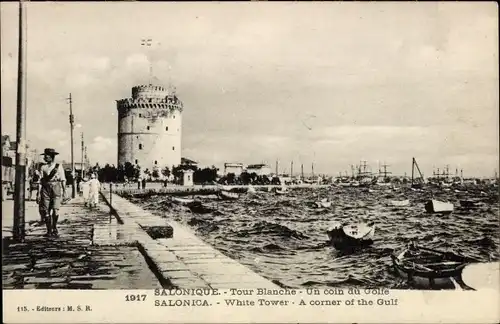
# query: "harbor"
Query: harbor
290,158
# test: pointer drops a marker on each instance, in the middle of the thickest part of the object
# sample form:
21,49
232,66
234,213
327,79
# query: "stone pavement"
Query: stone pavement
91,252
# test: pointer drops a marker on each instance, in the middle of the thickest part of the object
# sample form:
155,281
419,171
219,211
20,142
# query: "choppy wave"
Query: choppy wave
283,237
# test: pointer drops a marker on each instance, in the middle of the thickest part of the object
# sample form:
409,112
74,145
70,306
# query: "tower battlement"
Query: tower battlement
149,91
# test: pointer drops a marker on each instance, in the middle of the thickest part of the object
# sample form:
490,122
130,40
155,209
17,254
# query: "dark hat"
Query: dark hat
49,151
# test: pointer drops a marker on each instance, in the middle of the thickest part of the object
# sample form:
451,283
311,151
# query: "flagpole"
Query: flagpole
18,230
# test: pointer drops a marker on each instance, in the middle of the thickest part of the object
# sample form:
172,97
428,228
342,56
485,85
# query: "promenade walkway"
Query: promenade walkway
184,260
91,252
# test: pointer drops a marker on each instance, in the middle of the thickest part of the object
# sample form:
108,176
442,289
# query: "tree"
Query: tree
166,172
245,178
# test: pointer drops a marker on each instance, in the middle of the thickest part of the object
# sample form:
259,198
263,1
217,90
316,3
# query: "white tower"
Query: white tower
149,128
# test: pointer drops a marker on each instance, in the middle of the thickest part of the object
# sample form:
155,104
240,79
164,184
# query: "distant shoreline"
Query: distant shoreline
201,189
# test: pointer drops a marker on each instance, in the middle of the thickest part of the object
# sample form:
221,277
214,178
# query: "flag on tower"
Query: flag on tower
146,42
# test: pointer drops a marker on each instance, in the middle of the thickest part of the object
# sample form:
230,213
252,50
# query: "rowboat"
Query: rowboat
228,195
426,268
344,236
281,191
182,201
323,203
436,206
399,203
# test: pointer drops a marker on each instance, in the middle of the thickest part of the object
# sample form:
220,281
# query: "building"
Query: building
188,162
235,168
259,169
150,128
187,178
8,147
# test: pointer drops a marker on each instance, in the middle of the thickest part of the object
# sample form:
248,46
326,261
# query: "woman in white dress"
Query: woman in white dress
94,188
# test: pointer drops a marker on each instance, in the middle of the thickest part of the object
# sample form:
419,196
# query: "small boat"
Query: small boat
428,268
323,203
436,206
283,190
228,195
345,236
399,203
182,201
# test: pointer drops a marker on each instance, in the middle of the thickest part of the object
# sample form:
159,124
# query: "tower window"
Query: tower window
140,115
140,146
173,148
166,128
156,162
174,116
147,128
136,161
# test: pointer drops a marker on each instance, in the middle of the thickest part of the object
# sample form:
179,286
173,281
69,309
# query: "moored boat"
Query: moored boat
351,235
399,203
426,268
228,195
436,206
281,191
323,203
182,201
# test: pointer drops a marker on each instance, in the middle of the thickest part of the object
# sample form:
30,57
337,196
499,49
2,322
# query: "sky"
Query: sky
329,83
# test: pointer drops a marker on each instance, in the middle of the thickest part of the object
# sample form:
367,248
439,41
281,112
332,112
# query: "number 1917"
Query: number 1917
135,297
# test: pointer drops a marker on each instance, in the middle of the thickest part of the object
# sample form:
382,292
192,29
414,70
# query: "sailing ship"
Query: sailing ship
416,183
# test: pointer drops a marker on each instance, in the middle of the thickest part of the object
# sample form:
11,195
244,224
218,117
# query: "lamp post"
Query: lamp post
72,128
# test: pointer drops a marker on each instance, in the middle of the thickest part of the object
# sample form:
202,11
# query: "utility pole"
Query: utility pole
18,230
312,169
83,161
302,172
291,170
72,128
277,168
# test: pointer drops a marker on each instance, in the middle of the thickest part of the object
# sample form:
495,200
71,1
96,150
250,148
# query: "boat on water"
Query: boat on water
228,195
399,203
281,191
427,268
438,207
323,203
416,183
182,201
344,236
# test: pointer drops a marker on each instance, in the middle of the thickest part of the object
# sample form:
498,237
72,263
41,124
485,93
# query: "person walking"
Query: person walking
84,186
51,191
94,188
34,181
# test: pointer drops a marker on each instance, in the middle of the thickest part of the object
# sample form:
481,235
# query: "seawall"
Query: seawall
179,258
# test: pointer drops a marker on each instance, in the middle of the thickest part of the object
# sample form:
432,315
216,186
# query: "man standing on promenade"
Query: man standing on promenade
51,191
